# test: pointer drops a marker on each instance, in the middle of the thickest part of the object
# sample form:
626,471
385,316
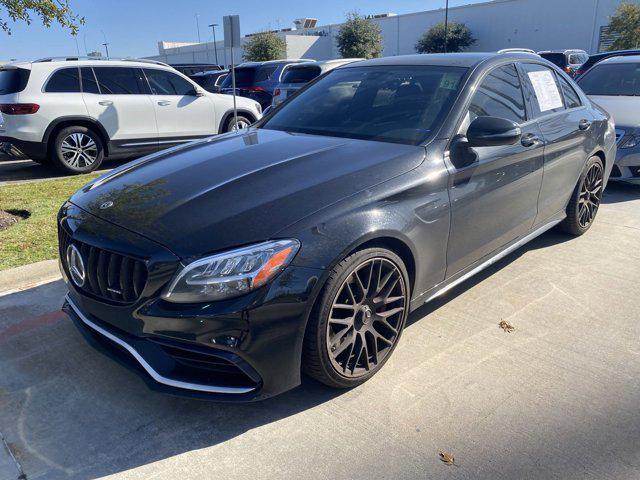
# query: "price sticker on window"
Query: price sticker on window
546,90
449,82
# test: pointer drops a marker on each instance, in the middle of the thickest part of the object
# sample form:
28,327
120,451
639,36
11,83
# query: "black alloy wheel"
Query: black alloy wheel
359,319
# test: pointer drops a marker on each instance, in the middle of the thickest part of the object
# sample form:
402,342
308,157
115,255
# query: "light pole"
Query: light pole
446,24
106,47
198,26
215,45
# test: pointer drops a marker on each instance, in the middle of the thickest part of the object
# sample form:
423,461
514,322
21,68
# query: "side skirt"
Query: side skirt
444,287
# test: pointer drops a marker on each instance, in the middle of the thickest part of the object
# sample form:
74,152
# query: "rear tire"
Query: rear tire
77,150
230,123
585,200
358,319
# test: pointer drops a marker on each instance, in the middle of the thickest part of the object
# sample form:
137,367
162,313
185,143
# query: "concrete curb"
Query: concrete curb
28,276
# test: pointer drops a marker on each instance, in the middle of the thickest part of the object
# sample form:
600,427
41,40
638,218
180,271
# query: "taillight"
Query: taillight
567,70
276,92
19,108
255,89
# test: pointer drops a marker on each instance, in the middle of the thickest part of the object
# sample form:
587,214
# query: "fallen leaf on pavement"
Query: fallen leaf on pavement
506,326
447,458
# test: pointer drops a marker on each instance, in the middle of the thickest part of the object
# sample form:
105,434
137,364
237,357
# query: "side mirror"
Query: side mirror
196,92
492,132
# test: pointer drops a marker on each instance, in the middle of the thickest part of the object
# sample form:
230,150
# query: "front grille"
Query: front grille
109,276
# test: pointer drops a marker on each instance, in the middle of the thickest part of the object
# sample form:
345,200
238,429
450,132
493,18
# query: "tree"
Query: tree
625,27
264,46
49,11
458,38
359,37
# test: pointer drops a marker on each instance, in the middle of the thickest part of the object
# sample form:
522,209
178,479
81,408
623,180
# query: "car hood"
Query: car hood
624,110
236,189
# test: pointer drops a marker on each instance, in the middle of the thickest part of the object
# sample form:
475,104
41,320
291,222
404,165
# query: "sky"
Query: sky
133,28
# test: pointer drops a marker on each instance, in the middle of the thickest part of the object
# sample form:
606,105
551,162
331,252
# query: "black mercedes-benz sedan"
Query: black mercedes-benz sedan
228,267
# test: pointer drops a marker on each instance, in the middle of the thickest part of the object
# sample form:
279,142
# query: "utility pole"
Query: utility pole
215,45
446,25
106,47
198,26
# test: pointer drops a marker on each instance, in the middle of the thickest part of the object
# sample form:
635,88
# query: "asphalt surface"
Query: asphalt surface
558,398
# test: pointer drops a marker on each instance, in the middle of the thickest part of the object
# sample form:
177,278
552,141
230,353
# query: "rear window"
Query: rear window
616,79
555,58
13,80
244,77
301,74
65,80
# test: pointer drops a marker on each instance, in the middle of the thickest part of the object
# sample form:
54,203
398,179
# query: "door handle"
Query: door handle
529,140
105,103
584,124
164,103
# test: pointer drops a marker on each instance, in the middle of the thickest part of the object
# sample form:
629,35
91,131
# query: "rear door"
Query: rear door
181,114
494,200
564,123
116,97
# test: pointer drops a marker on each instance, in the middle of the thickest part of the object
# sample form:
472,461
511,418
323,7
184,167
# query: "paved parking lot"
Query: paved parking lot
557,398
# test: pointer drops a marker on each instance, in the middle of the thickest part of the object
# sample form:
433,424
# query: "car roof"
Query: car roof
323,63
621,59
274,62
466,59
210,72
88,61
568,50
614,53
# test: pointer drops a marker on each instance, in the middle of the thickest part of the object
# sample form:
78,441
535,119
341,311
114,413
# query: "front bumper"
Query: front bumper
245,348
627,166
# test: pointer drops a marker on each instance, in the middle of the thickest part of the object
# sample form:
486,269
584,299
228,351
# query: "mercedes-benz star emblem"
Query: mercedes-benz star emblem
75,265
106,205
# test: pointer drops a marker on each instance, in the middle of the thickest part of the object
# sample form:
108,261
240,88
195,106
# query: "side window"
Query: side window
571,98
118,81
89,84
542,90
65,80
264,73
220,80
167,83
499,95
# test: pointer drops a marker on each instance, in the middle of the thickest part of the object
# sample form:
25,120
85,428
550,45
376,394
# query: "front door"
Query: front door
181,114
494,200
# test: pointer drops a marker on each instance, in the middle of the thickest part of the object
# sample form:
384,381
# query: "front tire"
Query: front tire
77,150
358,319
585,200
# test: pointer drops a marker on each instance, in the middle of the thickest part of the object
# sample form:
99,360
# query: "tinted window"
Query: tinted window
13,80
265,73
118,81
65,81
401,104
300,74
244,77
220,79
571,98
612,79
542,90
167,83
555,58
89,84
499,95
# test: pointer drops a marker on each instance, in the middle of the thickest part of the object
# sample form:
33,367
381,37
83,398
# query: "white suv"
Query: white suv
73,112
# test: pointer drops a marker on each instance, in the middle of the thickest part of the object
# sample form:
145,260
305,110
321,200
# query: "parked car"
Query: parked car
297,76
258,80
614,84
190,69
210,81
598,57
301,244
568,60
73,113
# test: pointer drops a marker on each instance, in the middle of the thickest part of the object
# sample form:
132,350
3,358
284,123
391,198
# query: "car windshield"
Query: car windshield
301,74
13,80
618,79
401,104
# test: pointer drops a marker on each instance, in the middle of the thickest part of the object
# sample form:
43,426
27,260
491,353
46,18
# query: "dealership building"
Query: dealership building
535,24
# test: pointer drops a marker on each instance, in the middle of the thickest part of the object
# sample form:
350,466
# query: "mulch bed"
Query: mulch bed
11,218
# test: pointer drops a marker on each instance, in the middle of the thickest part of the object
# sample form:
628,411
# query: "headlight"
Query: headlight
630,141
230,274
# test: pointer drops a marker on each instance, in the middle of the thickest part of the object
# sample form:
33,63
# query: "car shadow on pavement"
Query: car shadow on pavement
25,170
68,411
617,192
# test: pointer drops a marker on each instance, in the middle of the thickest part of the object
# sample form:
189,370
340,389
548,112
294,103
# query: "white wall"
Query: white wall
535,24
